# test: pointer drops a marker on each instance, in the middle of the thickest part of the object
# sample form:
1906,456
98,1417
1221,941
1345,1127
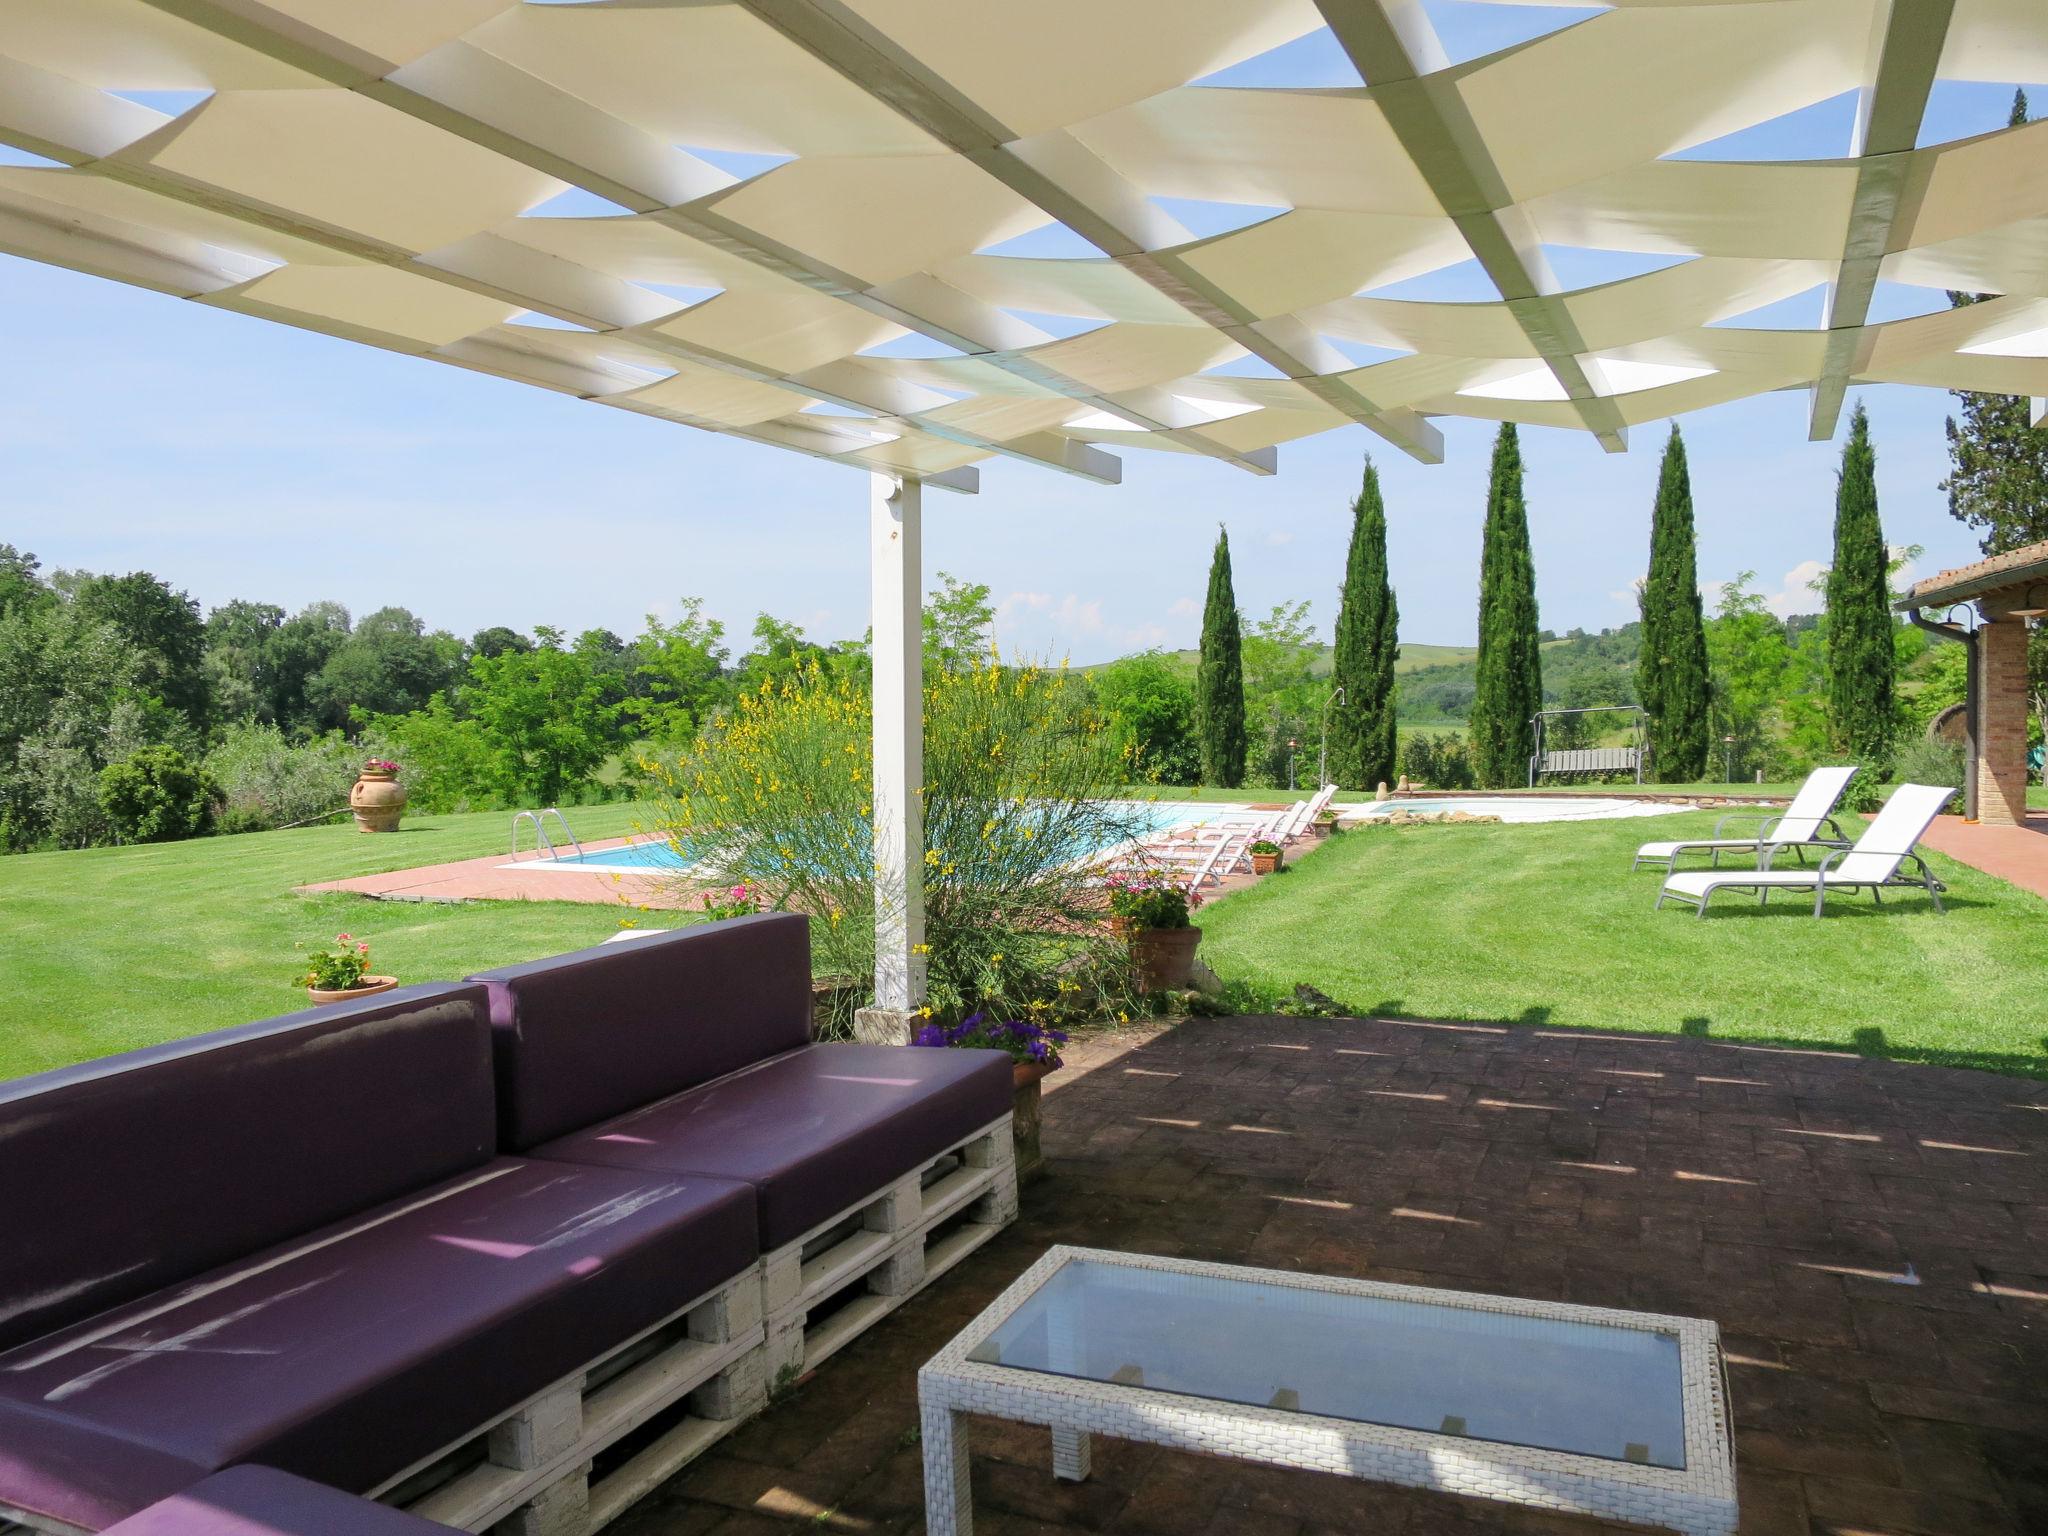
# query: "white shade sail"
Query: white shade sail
775,218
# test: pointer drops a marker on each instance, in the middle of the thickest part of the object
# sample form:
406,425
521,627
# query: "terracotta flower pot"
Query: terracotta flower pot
1025,1078
370,987
1165,957
378,800
1266,863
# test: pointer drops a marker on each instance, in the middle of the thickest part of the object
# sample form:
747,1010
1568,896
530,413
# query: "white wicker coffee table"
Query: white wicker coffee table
1576,1409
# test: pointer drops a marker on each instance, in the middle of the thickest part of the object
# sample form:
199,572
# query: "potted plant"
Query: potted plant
1266,856
377,798
1033,1050
1152,915
1325,823
336,973
740,901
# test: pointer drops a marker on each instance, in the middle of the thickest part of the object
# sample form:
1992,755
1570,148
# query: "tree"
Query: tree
20,585
1508,682
240,666
1859,628
1748,657
681,670
1998,479
544,714
1219,678
163,625
1148,703
1368,645
303,644
388,665
1671,670
1280,692
497,640
959,623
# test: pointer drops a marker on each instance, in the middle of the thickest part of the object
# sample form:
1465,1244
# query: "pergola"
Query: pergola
809,200
2006,591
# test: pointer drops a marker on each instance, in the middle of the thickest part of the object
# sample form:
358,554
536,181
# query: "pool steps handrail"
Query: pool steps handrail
542,843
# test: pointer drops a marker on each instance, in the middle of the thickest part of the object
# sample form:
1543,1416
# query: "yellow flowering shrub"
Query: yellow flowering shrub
1017,760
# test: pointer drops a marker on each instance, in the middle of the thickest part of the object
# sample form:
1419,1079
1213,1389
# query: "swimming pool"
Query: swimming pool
655,856
1530,808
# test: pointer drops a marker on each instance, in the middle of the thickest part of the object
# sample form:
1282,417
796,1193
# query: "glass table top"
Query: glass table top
1588,1389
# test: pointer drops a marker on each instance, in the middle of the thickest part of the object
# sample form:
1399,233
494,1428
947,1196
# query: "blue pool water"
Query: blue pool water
659,857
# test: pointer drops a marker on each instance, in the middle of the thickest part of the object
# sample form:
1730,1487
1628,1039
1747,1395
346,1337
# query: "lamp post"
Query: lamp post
1323,758
1728,759
1292,745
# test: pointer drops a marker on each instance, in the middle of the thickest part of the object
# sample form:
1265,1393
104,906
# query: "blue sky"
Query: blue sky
239,458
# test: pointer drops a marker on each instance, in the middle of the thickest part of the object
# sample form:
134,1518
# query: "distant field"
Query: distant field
1413,658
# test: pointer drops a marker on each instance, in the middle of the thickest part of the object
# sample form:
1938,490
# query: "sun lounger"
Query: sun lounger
1873,862
1284,826
1798,827
1200,859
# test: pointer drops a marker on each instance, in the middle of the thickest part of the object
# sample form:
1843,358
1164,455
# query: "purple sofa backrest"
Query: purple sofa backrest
589,1035
121,1176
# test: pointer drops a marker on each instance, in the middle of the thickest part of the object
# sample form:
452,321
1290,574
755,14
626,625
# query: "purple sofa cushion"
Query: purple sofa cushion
354,1352
815,1130
141,1169
260,1501
64,1471
585,1036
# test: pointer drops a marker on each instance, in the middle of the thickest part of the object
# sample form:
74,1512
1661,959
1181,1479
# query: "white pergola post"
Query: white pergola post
896,565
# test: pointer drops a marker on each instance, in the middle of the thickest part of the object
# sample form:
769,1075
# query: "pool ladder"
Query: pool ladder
542,843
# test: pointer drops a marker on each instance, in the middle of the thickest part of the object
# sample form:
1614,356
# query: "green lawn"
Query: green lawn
112,948
1547,925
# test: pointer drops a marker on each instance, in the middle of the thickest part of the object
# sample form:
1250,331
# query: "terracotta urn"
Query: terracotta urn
378,800
1165,957
369,986
1025,1077
1266,863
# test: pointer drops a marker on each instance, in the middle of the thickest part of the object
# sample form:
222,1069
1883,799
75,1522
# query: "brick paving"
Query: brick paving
1871,1236
2016,854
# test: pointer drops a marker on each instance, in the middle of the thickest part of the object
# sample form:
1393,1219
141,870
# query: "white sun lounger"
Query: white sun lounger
1282,826
1202,860
1872,862
1799,827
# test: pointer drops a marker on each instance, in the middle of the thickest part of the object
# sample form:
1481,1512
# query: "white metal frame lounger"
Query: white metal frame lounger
1872,863
1797,827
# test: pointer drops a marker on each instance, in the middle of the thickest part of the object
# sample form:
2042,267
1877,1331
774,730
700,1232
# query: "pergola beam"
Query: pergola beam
1887,128
1050,172
1395,49
638,172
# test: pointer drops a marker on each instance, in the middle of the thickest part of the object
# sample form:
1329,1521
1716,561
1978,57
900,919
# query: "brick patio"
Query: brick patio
1872,1238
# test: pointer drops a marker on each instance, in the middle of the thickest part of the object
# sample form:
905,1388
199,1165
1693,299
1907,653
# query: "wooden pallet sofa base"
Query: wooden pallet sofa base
857,1268
538,1471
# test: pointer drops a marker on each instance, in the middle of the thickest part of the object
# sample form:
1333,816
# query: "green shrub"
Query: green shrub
268,781
156,796
1925,761
777,794
1438,760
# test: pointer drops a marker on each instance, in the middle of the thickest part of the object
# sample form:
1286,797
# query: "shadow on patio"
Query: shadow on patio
1868,1234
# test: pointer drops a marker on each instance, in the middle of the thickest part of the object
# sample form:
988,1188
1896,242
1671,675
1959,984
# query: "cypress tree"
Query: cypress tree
1368,622
1671,673
1859,628
1219,678
1508,689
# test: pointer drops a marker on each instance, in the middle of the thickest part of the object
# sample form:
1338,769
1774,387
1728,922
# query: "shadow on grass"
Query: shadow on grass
1870,1041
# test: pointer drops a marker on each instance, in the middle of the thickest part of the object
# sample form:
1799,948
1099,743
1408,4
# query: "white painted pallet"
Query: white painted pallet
891,1245
529,1473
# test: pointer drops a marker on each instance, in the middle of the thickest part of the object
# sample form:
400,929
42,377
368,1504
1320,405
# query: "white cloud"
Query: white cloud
1183,608
1279,536
1040,622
